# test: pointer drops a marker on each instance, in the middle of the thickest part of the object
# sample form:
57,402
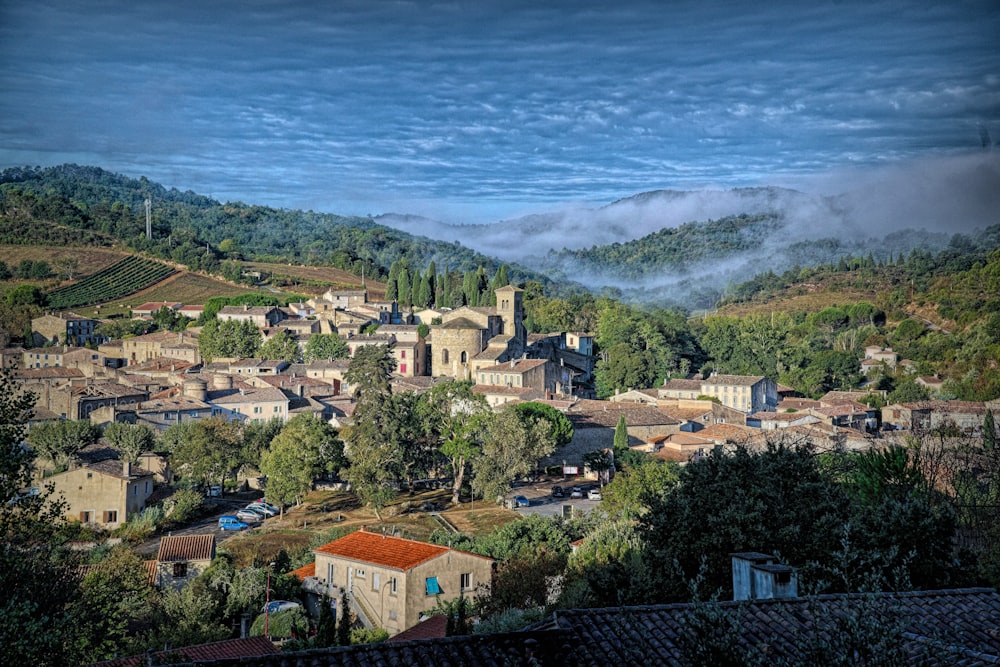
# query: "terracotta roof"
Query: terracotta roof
47,373
229,649
518,366
593,414
114,468
459,323
186,547
957,628
433,627
726,432
378,549
685,414
682,385
305,571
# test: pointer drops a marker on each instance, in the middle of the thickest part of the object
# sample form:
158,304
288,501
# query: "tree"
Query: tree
116,598
208,451
620,443
451,414
306,447
775,500
59,441
130,440
232,338
510,450
599,461
374,439
639,486
38,578
326,347
561,428
281,346
257,437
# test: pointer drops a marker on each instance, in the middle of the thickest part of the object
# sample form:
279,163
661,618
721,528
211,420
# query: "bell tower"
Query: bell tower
511,311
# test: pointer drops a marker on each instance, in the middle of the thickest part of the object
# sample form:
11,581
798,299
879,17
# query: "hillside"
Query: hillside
74,205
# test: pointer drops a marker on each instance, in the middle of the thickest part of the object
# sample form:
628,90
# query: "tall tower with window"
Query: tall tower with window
510,308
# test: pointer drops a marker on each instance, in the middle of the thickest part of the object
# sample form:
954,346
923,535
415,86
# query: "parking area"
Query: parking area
540,500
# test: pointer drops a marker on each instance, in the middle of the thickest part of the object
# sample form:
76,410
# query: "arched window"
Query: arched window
465,356
444,356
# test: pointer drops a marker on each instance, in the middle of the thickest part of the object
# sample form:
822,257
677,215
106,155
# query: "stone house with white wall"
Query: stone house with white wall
392,581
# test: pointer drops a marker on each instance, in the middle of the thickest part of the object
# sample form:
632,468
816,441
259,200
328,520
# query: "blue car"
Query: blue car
521,501
229,522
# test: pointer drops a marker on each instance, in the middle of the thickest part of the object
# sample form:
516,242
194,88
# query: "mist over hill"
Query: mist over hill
885,212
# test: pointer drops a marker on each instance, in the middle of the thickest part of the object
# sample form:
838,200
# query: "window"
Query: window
111,516
392,586
431,586
465,580
402,354
444,356
359,573
376,581
86,516
277,408
180,570
256,410
402,368
392,615
329,573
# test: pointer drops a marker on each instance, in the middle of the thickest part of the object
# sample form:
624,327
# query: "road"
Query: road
228,504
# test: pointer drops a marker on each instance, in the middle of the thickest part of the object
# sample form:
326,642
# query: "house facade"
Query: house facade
391,581
67,328
181,558
105,493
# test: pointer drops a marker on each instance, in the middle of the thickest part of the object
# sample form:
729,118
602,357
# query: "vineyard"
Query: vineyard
126,277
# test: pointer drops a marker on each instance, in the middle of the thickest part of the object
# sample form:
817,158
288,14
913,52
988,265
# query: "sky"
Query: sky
475,111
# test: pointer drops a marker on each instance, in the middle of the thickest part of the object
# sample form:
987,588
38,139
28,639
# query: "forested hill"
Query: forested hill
74,205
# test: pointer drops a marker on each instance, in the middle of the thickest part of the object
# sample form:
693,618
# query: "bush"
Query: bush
182,506
366,636
141,526
288,623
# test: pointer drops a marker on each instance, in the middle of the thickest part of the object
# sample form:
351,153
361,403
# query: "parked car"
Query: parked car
576,492
214,491
594,494
230,522
263,508
271,506
558,492
249,516
274,606
521,501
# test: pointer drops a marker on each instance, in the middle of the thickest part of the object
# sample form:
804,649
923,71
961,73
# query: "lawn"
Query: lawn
328,512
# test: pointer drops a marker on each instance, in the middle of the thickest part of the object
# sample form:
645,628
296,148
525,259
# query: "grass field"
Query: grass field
325,511
90,260
317,279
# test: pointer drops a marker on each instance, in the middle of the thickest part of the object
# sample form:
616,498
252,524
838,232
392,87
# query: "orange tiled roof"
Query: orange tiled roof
431,628
305,571
378,549
186,547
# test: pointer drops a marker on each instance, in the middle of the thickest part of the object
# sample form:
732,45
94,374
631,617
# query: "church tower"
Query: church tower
511,311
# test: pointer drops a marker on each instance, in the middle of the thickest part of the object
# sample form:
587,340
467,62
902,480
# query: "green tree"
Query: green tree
39,579
561,428
510,450
257,437
61,440
374,439
281,346
771,501
306,447
326,347
620,443
451,414
209,451
130,440
638,486
600,461
232,338
116,599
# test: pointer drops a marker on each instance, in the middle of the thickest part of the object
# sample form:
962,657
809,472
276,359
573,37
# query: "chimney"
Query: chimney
126,468
757,577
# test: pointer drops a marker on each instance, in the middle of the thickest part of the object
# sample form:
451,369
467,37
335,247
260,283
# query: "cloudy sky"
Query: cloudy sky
471,111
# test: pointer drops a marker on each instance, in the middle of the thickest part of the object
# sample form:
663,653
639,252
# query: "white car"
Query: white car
264,508
594,494
576,492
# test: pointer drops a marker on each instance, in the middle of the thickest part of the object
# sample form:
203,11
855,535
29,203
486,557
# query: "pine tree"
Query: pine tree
343,621
391,289
621,436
